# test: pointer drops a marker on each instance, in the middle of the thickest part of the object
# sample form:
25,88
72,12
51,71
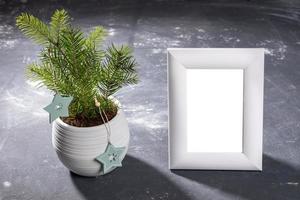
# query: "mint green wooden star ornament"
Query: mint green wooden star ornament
59,107
111,157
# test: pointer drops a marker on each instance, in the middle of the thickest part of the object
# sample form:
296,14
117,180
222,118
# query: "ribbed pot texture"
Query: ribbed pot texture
77,147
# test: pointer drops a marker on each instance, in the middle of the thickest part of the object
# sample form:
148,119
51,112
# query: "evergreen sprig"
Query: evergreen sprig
118,70
73,64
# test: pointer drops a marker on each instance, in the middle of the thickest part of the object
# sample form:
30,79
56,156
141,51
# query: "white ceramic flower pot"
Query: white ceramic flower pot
77,147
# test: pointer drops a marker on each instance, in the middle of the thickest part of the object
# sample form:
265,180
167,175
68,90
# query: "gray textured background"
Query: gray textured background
29,168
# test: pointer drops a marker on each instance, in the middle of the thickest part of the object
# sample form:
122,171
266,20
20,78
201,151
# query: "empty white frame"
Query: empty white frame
215,108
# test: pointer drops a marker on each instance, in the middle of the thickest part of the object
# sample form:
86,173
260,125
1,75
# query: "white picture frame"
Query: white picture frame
246,67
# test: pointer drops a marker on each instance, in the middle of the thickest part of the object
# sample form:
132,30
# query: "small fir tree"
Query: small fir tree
74,65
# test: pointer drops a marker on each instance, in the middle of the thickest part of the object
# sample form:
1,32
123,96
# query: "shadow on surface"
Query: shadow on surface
135,180
278,180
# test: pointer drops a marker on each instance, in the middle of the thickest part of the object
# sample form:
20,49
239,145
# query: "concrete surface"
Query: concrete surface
29,168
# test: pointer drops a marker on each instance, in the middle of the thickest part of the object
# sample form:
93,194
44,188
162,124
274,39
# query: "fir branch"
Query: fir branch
59,22
118,70
33,28
96,36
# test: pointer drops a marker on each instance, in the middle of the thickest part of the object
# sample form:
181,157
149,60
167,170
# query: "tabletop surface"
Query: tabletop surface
29,167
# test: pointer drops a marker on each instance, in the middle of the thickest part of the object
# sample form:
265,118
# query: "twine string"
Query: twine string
107,126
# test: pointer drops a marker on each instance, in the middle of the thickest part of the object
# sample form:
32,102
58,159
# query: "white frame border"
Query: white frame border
251,60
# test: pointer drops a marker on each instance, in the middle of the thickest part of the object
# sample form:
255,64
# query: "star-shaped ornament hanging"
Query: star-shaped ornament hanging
111,157
59,107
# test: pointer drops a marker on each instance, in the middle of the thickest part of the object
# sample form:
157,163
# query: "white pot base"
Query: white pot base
77,147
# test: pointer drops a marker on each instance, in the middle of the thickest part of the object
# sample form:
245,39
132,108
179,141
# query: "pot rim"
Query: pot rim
61,123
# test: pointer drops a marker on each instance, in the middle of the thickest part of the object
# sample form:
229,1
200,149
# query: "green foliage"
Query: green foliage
74,65
33,28
118,70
